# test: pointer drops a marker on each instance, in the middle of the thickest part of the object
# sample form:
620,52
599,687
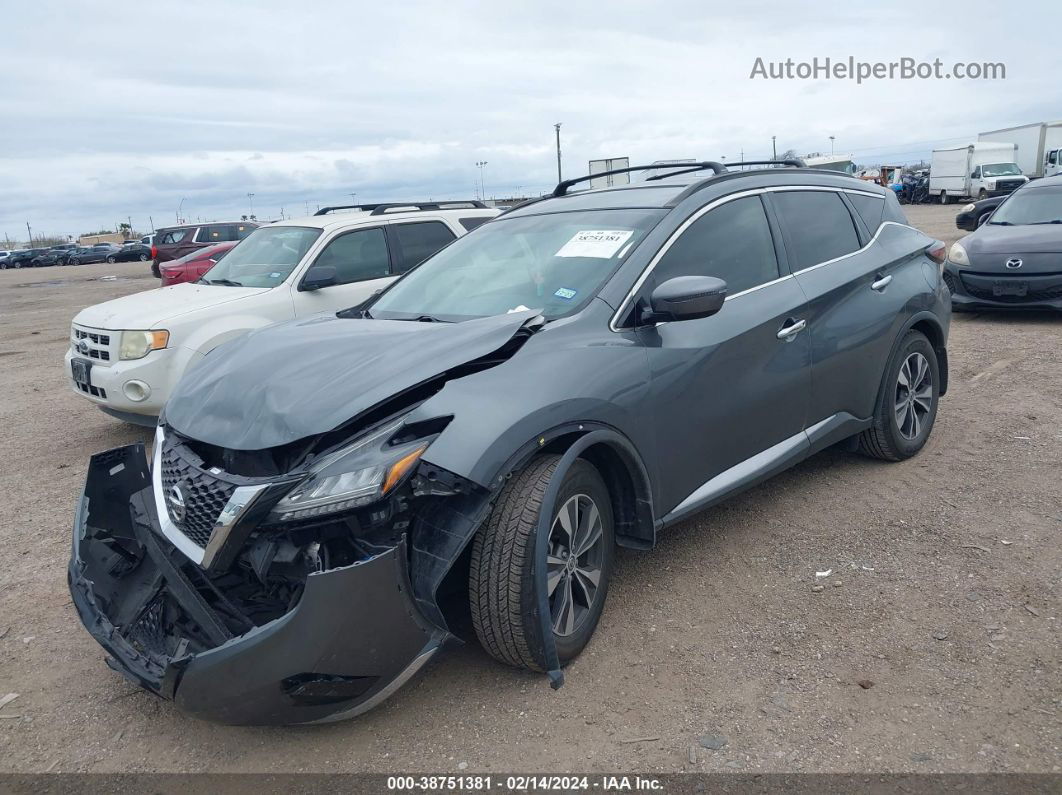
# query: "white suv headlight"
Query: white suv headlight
138,344
958,255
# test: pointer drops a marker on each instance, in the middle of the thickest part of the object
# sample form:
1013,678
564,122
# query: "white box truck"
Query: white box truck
977,170
1039,146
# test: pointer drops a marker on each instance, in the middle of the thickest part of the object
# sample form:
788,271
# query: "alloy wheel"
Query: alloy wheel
914,396
574,558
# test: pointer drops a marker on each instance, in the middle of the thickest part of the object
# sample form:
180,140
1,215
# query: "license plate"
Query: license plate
80,369
1010,288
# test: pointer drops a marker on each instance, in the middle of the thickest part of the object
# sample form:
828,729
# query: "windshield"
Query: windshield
1001,170
554,263
264,258
1030,206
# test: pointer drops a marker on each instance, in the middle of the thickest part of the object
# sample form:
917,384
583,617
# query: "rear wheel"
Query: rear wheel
907,407
944,197
143,257
111,260
578,564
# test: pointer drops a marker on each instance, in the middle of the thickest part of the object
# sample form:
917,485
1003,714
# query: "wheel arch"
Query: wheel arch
620,465
928,324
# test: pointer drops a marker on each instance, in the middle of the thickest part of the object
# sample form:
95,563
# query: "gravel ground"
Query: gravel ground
934,645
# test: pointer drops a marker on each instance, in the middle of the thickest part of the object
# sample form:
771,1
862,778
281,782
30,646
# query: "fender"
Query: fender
440,535
938,339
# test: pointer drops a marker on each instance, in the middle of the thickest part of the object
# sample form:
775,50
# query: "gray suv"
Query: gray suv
329,496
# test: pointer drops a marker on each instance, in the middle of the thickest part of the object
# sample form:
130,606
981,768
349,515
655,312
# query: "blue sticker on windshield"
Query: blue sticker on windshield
565,293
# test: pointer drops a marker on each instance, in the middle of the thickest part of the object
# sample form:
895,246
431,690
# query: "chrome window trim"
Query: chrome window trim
614,320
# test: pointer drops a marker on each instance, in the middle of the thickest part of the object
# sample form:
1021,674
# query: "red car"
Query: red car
192,266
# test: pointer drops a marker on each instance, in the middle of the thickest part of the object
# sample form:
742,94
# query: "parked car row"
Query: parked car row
476,434
175,242
73,254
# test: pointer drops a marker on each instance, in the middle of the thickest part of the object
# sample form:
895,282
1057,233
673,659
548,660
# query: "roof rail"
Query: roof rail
718,168
794,162
470,204
380,209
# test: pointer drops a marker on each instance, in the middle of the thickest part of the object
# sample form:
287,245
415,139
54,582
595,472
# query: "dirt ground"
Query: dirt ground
943,602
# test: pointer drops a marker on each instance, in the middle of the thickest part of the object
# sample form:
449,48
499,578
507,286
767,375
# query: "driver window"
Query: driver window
357,256
732,242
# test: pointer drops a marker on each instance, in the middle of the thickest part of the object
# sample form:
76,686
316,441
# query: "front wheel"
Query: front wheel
907,407
143,257
982,194
578,563
111,260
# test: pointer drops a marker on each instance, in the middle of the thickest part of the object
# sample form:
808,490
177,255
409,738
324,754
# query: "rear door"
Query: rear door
412,242
856,292
363,263
735,385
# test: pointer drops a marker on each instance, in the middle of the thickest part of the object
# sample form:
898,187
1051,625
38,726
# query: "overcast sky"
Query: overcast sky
115,109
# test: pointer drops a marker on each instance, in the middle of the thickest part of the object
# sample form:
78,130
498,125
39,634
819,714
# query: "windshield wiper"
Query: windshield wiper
1038,223
225,282
1001,223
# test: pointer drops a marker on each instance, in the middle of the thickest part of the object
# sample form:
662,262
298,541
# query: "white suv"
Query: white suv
126,355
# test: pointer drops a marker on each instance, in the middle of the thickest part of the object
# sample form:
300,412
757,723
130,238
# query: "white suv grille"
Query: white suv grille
98,346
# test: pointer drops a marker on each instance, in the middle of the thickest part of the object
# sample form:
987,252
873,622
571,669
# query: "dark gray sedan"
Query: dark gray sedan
1014,259
329,496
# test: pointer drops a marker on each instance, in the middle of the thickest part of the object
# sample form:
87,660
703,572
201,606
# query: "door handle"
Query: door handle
787,333
881,283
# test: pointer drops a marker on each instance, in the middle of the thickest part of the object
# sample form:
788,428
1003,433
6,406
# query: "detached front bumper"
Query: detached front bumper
352,639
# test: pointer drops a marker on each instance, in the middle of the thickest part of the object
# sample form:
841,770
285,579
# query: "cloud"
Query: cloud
305,105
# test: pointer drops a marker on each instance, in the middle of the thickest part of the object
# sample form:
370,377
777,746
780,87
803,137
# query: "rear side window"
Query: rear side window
732,242
471,223
173,236
357,256
893,211
242,230
216,234
819,225
417,242
870,209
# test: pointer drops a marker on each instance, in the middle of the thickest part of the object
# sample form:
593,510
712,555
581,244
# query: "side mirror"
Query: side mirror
685,298
318,276
984,217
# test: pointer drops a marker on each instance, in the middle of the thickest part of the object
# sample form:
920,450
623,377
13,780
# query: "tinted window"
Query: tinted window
357,256
242,230
819,226
222,233
471,223
732,242
870,209
174,236
417,242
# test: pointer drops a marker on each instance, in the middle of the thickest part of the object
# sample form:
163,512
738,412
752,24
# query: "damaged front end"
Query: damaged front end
268,596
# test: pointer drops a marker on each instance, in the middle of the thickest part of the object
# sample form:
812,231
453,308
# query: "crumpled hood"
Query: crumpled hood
306,377
1030,239
153,308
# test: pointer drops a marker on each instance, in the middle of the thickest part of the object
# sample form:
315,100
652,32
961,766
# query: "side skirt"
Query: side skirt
766,464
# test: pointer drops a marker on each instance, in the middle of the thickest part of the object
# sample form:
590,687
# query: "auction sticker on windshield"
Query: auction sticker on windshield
599,243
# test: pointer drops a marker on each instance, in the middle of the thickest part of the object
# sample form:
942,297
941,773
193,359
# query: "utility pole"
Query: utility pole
557,127
250,201
30,233
307,203
152,222
179,206
774,149
352,199
831,144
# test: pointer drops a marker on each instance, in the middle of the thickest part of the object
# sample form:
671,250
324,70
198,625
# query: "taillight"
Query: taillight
938,252
154,252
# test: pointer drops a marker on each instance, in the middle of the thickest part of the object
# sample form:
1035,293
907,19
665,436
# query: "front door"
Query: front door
735,385
363,265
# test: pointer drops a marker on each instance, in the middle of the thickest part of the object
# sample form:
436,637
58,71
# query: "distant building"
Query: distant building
91,240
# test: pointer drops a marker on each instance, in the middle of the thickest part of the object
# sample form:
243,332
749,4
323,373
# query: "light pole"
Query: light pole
556,127
352,199
179,206
250,201
831,144
482,190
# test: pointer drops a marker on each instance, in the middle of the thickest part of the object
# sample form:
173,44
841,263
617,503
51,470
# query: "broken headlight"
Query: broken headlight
356,475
